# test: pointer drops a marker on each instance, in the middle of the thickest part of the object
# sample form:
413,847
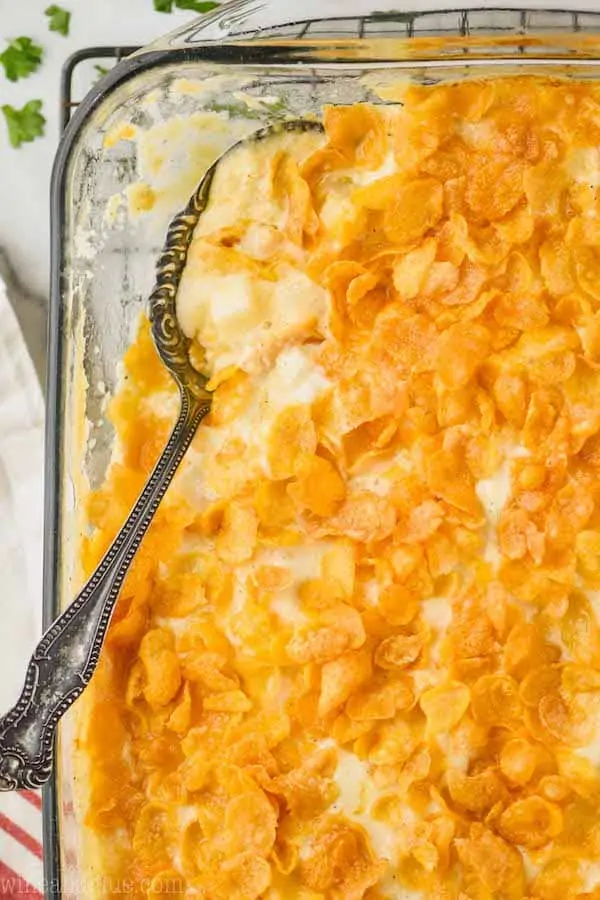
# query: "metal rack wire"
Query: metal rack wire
95,55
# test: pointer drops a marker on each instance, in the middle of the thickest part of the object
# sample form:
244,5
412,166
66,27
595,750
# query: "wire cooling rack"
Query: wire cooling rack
80,72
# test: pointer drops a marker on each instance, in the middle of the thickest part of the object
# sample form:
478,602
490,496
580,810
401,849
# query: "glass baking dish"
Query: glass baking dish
244,66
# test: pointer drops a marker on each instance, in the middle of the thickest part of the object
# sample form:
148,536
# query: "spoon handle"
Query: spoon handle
65,659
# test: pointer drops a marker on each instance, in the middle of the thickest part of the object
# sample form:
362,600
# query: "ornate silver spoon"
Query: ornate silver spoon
66,658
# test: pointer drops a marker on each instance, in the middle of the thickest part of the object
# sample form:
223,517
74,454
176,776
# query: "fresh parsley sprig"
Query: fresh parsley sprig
24,124
199,6
21,58
60,19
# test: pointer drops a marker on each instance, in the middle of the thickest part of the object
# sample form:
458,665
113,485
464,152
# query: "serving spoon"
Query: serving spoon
65,659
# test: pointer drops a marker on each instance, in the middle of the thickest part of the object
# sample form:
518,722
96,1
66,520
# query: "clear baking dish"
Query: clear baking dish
241,67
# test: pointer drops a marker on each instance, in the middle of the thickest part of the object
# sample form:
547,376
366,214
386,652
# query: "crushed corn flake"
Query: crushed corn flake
358,653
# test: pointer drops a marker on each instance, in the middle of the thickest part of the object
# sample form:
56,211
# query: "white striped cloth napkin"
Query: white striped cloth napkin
21,531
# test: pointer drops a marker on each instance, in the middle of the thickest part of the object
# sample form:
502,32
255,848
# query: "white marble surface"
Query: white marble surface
25,173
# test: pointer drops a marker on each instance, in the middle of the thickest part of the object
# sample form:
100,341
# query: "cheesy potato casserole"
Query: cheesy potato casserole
358,653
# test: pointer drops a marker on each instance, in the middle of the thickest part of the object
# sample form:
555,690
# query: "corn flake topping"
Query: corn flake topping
358,653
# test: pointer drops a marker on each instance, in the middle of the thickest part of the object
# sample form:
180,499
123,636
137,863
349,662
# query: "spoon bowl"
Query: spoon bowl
64,661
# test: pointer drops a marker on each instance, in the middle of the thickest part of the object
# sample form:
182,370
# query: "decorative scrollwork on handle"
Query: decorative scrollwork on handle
64,661
171,342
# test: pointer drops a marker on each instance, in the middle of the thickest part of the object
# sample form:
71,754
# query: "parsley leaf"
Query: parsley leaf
101,70
21,58
200,6
239,109
24,124
235,110
59,19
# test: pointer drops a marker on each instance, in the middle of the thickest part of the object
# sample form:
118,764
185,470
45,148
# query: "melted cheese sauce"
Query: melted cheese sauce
243,318
357,796
494,493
